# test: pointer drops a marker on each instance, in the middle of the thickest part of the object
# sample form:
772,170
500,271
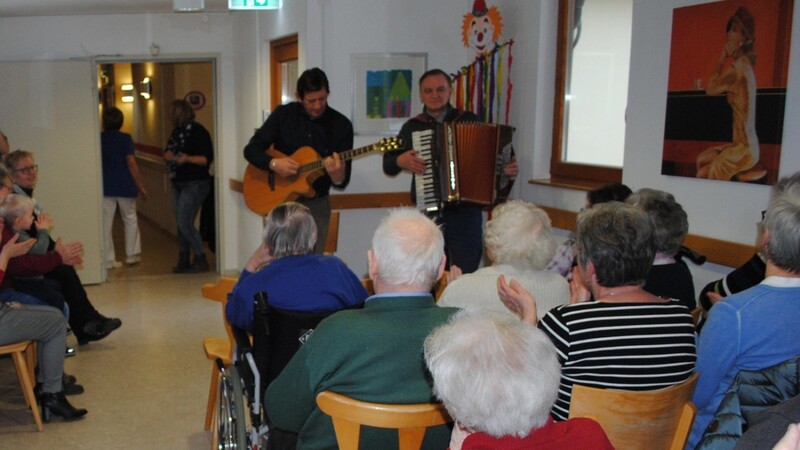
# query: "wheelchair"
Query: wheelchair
241,421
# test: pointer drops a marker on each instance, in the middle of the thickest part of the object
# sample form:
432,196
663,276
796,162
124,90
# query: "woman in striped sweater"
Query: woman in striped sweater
625,338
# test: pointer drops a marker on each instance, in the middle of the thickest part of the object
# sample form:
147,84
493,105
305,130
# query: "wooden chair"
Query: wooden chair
697,315
217,347
657,419
332,240
410,421
23,353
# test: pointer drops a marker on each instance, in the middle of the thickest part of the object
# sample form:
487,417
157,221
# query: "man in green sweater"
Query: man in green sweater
372,354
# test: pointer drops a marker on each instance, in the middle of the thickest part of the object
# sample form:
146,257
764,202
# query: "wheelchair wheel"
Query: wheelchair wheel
231,423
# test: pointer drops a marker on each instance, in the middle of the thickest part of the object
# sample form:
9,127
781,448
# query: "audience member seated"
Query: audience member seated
564,258
48,327
790,440
294,278
498,378
86,322
669,277
372,354
47,293
744,277
626,338
755,328
766,428
518,242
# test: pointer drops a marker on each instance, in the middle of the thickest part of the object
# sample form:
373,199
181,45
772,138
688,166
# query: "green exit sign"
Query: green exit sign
254,4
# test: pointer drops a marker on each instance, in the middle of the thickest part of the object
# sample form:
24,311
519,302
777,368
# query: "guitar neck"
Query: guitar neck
347,155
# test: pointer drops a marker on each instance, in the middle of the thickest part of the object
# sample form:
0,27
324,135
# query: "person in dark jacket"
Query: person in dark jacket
462,224
189,152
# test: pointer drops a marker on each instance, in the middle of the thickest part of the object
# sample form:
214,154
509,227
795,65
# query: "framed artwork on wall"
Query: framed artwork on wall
727,90
385,91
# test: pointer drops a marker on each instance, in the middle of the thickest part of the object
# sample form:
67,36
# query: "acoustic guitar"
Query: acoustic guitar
264,190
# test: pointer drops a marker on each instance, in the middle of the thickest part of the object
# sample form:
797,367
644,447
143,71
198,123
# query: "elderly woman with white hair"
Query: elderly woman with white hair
519,243
294,278
498,378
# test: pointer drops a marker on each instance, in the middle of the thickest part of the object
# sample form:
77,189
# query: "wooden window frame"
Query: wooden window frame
560,170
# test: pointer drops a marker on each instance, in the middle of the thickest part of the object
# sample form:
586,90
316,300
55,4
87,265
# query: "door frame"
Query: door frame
280,51
214,59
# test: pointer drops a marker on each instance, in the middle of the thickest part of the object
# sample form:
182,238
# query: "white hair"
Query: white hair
782,219
493,373
15,206
519,234
408,249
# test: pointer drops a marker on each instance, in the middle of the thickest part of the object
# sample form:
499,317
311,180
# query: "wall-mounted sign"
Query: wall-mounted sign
254,4
196,99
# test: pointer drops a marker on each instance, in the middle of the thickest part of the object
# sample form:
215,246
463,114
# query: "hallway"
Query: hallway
146,384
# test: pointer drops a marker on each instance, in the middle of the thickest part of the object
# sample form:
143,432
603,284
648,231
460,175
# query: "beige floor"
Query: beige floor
146,384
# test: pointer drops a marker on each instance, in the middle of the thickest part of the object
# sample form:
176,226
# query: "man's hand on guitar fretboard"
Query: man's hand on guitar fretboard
285,167
335,168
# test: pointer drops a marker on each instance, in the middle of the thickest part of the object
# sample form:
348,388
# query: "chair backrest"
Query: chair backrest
332,239
218,292
277,335
657,419
411,421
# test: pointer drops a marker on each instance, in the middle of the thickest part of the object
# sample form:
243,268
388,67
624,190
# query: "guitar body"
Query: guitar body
261,195
264,190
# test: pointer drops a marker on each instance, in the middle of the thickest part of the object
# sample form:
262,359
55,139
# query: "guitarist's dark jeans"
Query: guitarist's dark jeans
321,210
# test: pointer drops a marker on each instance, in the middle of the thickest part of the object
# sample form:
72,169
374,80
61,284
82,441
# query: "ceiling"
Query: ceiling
16,8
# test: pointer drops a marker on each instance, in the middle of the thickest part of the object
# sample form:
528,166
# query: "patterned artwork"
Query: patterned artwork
388,93
385,90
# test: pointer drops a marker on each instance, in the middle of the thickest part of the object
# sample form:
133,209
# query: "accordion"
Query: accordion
464,163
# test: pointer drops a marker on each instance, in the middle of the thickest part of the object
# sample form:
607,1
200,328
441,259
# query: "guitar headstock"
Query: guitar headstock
389,144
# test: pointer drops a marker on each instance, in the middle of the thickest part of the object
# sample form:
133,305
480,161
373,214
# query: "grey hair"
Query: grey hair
493,373
782,220
669,218
618,239
15,206
519,234
408,249
290,230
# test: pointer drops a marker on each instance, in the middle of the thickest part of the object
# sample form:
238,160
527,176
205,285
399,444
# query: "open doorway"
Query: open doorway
143,91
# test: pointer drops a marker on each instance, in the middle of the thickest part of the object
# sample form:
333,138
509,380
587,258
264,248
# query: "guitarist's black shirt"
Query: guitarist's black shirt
289,127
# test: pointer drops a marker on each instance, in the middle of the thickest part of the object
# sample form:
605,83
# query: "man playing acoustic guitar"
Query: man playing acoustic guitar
308,122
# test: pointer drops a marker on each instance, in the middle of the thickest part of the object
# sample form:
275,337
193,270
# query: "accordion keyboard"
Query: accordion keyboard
425,184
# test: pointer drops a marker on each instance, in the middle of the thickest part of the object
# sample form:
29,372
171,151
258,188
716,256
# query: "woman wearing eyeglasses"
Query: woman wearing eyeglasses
86,322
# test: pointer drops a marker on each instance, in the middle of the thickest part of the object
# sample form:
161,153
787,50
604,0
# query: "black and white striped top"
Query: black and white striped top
632,346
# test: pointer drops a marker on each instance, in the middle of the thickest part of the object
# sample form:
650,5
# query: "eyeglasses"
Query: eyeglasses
763,215
28,170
